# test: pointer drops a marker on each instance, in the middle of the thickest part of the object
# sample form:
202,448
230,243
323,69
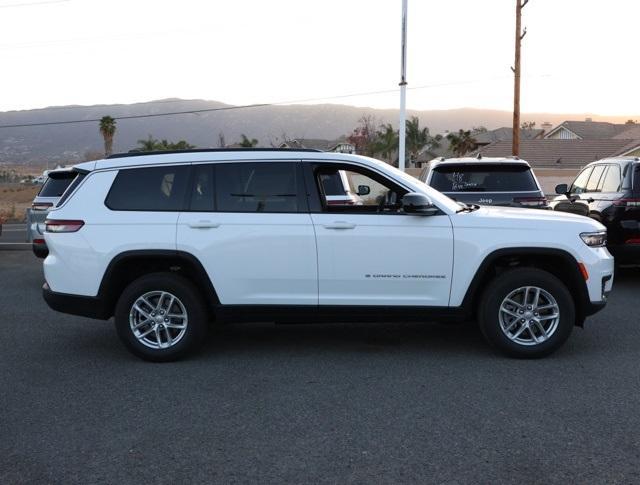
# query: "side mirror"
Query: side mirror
562,189
364,190
419,204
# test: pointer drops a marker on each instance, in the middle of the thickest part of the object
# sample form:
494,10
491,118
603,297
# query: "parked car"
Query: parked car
167,242
609,192
52,189
486,181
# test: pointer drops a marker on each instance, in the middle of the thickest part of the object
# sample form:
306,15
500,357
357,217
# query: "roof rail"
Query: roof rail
133,153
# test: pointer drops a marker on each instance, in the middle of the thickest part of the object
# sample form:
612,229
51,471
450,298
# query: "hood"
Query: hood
517,218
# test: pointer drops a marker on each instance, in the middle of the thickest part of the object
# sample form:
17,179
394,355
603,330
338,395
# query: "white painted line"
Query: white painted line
14,244
13,230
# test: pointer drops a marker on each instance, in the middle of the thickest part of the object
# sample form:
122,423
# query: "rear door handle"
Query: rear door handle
203,224
340,225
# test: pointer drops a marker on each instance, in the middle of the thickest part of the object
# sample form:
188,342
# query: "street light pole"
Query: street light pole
403,89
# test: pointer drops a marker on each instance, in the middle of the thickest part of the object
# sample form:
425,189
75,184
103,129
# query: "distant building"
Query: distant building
586,130
504,134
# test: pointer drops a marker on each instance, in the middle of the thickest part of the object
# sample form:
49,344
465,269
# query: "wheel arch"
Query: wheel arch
558,262
130,265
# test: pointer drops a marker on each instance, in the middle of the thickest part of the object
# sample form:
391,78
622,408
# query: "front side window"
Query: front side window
594,179
343,189
611,180
483,178
149,189
580,183
258,187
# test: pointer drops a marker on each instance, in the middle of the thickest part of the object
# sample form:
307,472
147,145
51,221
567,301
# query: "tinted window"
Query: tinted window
149,189
202,199
258,187
55,187
580,183
483,178
611,180
592,184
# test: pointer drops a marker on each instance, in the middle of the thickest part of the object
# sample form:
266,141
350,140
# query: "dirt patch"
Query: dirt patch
14,201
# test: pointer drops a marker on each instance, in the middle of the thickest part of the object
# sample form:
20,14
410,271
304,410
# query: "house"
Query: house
564,153
586,130
504,134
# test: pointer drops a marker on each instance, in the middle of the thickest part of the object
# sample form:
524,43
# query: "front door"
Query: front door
369,251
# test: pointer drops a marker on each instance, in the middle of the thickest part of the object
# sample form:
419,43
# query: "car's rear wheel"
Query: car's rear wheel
161,317
526,312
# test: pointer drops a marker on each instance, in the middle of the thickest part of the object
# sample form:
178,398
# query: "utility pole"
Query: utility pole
403,89
515,149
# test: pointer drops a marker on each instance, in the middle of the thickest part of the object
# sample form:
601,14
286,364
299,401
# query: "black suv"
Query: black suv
608,191
486,181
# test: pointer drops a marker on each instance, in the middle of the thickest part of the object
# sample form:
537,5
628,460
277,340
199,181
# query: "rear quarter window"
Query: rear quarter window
152,189
483,178
55,187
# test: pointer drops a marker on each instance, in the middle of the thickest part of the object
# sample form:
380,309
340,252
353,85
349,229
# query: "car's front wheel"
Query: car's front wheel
526,312
161,317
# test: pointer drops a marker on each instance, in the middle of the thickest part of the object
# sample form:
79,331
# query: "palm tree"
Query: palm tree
152,144
246,142
386,142
148,145
461,143
416,138
108,131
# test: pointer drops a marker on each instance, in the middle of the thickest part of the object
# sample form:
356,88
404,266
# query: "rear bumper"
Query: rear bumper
40,249
84,306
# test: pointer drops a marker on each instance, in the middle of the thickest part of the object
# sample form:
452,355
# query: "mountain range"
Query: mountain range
72,142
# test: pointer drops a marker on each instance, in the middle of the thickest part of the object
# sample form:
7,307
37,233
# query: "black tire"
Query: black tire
190,298
499,288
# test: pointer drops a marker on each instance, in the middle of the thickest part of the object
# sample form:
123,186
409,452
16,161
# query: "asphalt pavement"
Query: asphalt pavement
14,236
339,403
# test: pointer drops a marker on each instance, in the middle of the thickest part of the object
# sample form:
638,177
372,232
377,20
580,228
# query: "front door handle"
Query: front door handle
203,224
340,225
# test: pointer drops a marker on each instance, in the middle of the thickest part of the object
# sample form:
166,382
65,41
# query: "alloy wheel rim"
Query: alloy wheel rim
158,319
529,315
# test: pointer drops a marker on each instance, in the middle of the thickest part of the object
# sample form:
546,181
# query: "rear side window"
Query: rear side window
258,187
56,185
149,189
483,178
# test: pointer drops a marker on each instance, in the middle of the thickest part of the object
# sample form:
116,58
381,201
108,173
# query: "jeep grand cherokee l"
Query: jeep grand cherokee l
167,242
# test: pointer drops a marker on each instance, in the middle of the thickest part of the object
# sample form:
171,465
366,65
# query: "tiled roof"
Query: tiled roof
504,134
561,153
592,130
631,133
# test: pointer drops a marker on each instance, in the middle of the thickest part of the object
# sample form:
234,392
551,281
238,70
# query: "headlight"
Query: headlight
594,239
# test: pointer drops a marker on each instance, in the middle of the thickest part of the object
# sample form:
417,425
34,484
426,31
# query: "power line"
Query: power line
30,4
247,106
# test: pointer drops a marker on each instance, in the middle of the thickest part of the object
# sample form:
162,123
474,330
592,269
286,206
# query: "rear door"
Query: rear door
373,254
249,225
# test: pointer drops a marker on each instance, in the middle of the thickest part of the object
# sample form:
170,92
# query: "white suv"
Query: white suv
168,242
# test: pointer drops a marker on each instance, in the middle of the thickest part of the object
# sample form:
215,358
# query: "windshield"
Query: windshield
483,178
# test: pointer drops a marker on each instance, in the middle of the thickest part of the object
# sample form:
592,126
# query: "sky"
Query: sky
579,56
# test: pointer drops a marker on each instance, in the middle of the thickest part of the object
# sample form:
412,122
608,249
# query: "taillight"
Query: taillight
41,206
57,225
633,240
531,201
627,203
38,241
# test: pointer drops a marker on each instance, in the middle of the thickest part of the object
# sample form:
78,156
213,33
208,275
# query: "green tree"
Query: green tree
108,131
153,145
246,142
461,142
417,138
386,142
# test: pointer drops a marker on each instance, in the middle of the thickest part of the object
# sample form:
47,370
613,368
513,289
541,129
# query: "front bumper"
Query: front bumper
84,306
